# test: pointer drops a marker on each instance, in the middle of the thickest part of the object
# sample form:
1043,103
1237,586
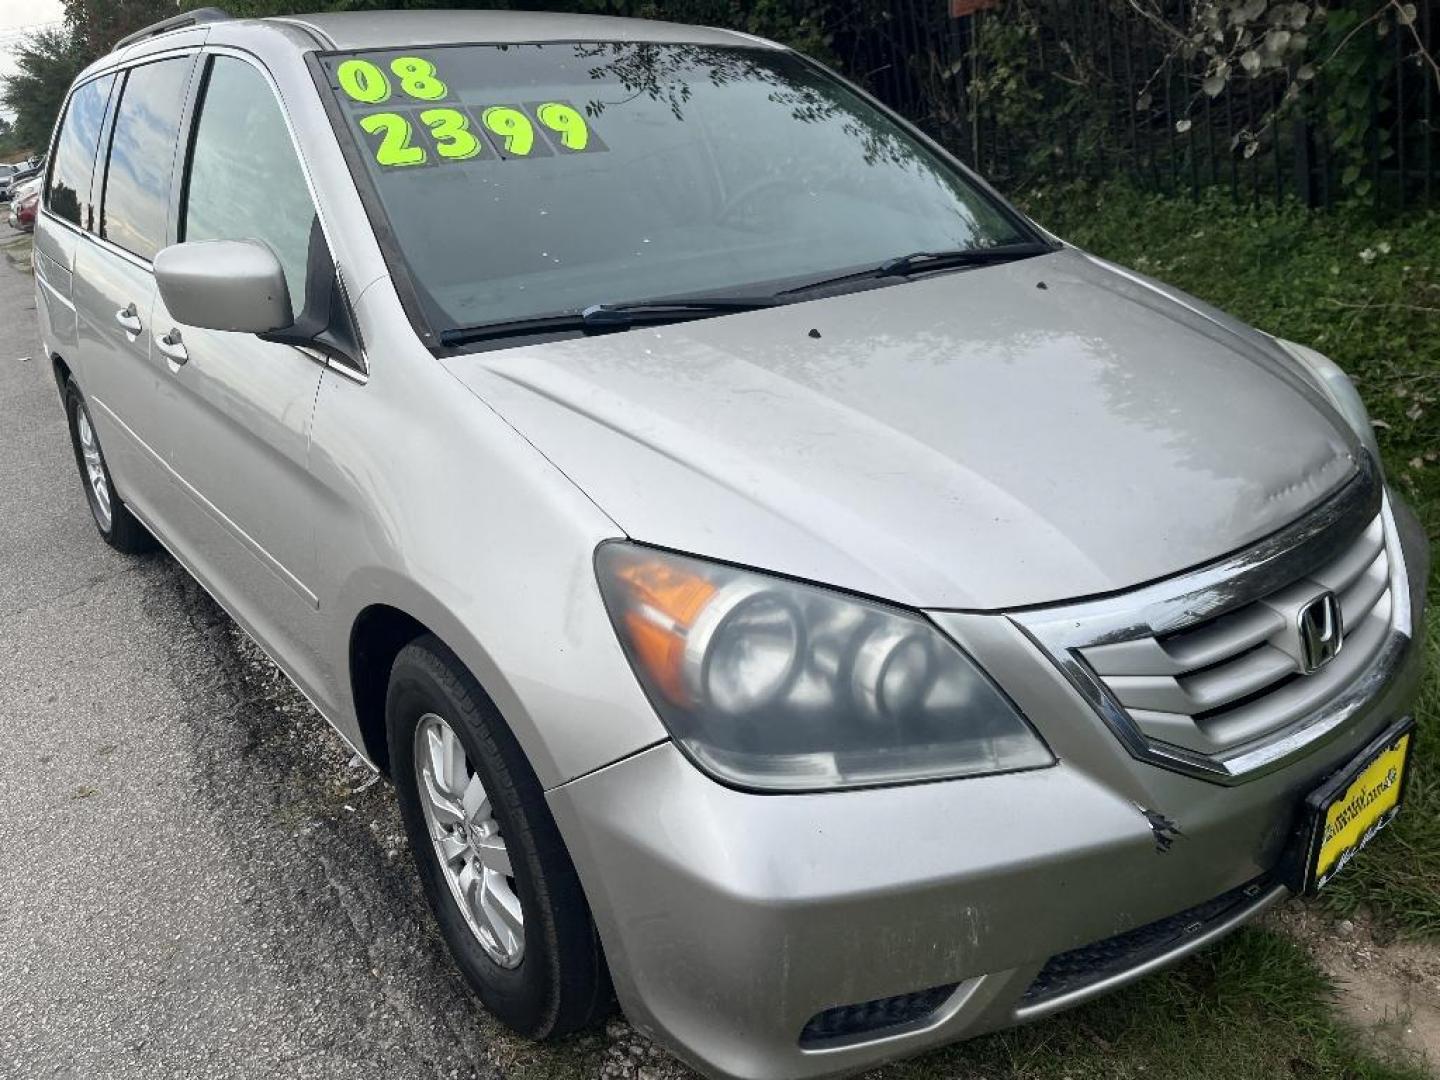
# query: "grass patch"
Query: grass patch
1252,1006
1367,295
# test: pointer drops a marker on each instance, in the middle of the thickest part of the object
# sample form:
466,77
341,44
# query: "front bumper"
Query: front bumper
730,920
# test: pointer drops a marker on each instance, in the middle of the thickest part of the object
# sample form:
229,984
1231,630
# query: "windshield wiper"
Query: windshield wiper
920,262
674,310
599,318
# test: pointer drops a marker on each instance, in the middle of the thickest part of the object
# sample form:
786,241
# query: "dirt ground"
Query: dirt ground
1387,986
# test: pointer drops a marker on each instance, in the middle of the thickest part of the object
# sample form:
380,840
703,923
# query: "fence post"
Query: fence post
974,98
1304,161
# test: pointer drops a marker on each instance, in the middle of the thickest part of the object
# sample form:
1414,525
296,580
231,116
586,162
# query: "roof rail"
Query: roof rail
175,22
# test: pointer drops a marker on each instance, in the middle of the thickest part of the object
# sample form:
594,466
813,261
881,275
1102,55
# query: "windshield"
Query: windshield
528,180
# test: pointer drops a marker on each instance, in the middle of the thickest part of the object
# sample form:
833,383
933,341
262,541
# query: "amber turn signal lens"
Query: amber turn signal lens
665,601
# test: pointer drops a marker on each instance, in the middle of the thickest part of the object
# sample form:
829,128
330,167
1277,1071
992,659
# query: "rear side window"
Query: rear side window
142,154
245,181
68,192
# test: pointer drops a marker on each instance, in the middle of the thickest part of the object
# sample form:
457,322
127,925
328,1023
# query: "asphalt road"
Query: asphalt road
195,878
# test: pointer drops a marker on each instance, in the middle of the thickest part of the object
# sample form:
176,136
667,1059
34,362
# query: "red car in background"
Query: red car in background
24,201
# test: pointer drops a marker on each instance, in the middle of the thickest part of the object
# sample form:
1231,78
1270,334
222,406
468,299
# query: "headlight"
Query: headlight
767,683
1331,381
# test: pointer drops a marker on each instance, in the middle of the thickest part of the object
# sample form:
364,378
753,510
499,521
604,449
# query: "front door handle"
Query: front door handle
129,319
172,346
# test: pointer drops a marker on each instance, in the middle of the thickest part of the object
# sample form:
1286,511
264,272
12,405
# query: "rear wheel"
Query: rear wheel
117,525
491,859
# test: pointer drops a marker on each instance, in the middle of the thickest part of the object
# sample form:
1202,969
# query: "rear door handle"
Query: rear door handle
172,346
129,318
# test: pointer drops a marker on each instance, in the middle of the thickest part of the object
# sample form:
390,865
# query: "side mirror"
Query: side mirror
224,285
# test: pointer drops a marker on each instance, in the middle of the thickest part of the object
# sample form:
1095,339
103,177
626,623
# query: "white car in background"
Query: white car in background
7,173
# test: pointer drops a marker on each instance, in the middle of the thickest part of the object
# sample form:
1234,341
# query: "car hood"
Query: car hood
1002,436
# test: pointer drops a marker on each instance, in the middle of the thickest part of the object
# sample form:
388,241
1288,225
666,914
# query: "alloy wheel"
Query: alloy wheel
94,468
472,853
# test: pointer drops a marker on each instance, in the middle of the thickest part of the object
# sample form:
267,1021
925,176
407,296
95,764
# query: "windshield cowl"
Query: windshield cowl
600,318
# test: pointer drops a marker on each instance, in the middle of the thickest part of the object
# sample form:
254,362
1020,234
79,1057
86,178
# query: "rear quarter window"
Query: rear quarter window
67,194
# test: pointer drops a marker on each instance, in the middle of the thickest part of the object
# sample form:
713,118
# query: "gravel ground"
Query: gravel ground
196,879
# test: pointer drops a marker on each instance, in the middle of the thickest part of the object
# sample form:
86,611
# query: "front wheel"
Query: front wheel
490,857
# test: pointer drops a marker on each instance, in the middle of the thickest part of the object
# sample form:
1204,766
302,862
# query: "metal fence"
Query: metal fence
1032,90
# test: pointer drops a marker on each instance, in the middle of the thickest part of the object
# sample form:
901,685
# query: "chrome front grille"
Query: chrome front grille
1228,680
1209,672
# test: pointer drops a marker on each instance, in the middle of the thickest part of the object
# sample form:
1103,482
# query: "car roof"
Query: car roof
386,29
357,30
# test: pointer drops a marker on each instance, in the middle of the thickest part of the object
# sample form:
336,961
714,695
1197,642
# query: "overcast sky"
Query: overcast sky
16,14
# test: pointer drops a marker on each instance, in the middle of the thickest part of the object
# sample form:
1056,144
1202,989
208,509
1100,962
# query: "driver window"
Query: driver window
244,179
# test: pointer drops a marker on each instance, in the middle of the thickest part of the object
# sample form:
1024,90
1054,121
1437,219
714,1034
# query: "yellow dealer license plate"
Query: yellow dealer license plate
1353,806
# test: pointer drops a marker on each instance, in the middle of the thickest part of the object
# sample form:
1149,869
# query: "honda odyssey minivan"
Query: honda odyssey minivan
791,592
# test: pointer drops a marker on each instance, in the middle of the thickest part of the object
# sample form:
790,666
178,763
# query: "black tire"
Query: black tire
122,532
561,984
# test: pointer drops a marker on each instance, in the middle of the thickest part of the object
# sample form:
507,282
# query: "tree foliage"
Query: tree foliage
1348,46
98,24
47,63
49,60
1194,88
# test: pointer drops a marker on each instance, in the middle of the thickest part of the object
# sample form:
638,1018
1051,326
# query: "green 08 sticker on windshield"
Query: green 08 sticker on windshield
396,80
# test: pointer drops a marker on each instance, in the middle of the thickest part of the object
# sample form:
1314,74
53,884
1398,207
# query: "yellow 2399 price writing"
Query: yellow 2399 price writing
454,134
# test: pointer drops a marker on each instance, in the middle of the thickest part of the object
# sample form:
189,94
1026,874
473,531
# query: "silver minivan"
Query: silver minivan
790,591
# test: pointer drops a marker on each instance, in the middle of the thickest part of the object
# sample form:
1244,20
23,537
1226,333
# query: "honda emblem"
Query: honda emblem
1321,631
